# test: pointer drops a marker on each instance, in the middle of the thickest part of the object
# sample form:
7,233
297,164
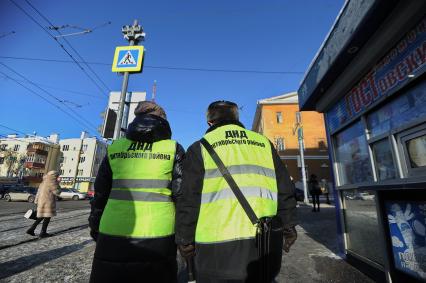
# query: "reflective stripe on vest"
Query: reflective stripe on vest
140,204
248,157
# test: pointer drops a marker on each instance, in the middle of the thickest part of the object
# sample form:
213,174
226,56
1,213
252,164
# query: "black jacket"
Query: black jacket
118,257
221,255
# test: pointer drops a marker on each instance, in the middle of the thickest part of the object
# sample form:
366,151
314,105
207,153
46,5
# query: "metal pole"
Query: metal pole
132,34
302,163
117,130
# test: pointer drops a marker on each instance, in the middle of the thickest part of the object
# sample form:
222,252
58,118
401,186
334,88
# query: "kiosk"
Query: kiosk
369,80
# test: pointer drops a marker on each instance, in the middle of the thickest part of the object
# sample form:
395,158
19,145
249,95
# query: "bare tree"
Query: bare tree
19,168
10,158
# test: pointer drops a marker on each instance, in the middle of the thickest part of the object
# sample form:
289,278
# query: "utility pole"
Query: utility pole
299,128
154,91
133,34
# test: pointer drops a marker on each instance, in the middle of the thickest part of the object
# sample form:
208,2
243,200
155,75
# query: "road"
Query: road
16,207
67,256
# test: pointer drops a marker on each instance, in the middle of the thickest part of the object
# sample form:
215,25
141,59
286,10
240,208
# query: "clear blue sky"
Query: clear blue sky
239,35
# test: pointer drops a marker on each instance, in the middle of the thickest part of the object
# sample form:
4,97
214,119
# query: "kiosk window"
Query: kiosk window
408,106
352,156
416,149
361,224
385,166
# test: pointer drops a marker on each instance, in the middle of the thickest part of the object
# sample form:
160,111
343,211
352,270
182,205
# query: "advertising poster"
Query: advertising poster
407,226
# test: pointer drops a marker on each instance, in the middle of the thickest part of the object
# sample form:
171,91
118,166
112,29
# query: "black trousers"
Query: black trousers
315,201
45,220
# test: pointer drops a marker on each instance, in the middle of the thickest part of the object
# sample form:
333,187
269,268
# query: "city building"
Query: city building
278,119
29,157
80,161
368,78
110,115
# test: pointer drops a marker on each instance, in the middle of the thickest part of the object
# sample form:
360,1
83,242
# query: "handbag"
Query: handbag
31,214
269,230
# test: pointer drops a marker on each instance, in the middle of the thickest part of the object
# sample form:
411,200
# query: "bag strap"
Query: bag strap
231,182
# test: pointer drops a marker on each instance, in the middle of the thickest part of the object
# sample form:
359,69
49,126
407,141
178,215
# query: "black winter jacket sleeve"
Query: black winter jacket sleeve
286,192
188,208
103,185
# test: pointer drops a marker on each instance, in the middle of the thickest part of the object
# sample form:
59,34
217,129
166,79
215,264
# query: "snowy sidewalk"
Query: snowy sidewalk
67,256
313,258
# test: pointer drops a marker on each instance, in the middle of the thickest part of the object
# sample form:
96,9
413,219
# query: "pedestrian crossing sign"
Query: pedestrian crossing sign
128,59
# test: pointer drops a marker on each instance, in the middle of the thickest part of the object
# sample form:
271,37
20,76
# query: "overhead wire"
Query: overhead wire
162,67
61,45
17,131
51,95
69,44
66,90
46,100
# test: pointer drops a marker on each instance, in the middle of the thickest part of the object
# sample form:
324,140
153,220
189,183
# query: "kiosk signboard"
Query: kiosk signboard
407,59
407,227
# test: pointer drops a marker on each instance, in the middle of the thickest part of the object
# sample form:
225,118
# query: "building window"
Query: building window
279,117
84,148
1,160
61,172
80,172
82,159
16,147
69,171
3,147
279,144
65,147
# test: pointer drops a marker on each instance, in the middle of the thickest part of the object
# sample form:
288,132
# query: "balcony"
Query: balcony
32,179
31,149
34,165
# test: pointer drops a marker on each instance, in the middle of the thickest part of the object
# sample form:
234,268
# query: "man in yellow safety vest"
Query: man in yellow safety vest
210,222
133,212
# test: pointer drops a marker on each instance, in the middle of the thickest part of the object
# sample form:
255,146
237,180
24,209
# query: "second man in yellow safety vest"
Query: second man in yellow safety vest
210,222
133,213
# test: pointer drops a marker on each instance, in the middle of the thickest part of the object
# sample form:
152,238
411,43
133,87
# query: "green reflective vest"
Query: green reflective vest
140,203
248,157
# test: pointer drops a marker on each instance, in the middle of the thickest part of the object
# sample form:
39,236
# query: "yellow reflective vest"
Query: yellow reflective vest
140,203
248,157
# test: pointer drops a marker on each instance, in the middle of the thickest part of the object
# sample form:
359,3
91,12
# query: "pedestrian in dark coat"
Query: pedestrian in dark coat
46,202
315,191
127,258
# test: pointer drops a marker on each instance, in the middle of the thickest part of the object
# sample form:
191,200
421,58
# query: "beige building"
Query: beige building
80,160
110,114
28,157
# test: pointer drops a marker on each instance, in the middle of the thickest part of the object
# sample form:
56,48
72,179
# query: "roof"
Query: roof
354,26
286,98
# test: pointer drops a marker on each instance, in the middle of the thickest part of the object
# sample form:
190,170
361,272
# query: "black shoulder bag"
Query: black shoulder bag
269,235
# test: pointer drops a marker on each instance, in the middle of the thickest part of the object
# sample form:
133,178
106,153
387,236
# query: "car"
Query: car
3,191
90,194
71,194
21,194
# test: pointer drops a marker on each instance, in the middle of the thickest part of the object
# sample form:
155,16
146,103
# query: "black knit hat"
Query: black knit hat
222,110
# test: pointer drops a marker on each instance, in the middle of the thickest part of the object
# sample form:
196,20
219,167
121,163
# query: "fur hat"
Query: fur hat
149,107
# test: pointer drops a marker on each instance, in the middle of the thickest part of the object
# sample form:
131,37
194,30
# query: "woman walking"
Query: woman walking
46,202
